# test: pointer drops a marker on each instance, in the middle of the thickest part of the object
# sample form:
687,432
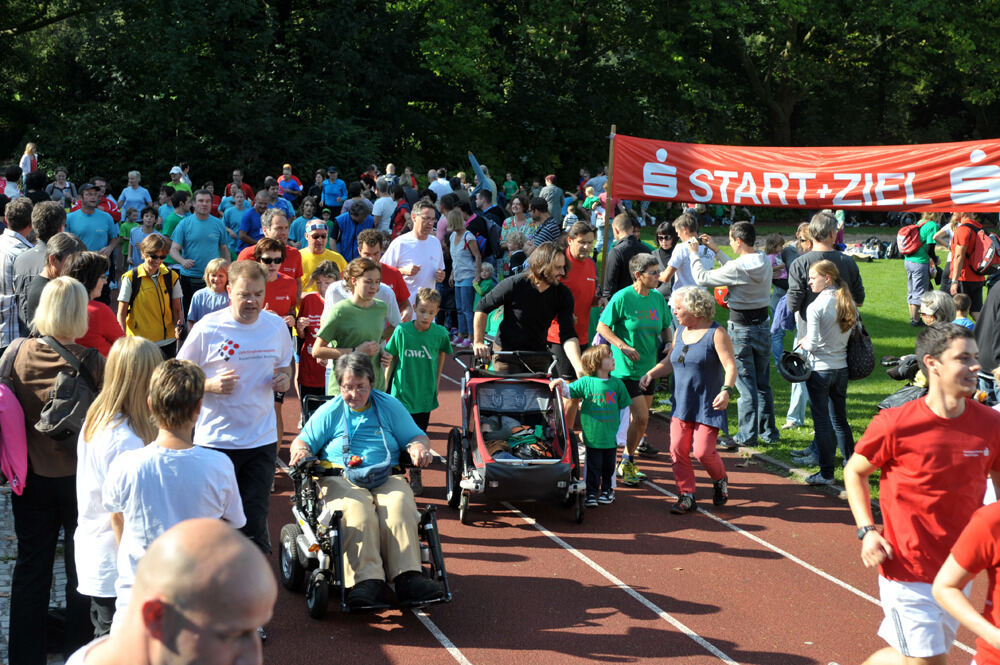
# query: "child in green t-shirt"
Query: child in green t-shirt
418,349
484,283
604,398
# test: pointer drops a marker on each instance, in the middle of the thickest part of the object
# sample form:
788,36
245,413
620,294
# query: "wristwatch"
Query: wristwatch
865,529
730,389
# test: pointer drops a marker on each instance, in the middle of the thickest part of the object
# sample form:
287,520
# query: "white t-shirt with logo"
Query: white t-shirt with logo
96,551
243,419
406,251
156,488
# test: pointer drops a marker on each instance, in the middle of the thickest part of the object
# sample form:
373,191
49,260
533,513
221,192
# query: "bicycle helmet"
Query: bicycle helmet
793,367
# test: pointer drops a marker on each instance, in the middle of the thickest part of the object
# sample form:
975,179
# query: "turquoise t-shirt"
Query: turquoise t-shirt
638,321
600,412
415,379
96,231
326,430
200,241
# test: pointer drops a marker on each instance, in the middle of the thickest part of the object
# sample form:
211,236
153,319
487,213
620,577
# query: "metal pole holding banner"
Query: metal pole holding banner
610,205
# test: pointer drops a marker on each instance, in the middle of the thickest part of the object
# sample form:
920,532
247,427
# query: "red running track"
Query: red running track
773,578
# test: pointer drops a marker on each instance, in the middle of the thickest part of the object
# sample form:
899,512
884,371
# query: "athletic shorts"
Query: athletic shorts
632,386
914,624
564,368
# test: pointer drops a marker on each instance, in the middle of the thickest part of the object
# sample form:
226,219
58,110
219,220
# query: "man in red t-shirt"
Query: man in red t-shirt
963,279
275,225
935,453
238,182
975,550
370,247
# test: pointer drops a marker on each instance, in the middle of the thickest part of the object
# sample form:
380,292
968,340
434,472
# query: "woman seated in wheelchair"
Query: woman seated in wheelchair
365,431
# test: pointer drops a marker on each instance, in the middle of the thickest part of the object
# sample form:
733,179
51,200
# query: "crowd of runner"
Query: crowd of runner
190,317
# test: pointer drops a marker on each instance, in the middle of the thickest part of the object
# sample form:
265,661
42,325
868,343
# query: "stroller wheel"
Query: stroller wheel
463,508
578,517
292,573
454,473
317,596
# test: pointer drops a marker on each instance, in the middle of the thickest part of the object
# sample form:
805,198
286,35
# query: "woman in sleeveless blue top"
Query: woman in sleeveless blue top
704,369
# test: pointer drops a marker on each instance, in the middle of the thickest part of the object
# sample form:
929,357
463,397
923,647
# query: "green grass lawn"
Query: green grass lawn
886,317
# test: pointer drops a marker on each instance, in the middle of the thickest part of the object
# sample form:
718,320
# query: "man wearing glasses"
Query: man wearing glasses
315,252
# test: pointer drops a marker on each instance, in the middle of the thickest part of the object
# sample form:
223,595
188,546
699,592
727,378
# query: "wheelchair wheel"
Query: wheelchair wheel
454,473
317,595
292,573
463,508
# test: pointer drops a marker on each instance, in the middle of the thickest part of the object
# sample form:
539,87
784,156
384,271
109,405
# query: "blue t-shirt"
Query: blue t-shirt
165,210
205,301
137,198
135,238
95,231
962,321
232,219
290,185
250,224
200,241
284,206
334,193
325,431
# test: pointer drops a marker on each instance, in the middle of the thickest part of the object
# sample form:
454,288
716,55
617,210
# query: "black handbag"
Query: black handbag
902,396
71,395
860,353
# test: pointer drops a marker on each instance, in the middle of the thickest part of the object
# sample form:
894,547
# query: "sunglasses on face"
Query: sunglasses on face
156,257
270,261
320,235
659,237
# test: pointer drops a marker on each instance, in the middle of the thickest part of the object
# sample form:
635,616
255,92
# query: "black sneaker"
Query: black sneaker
685,504
645,449
591,501
413,588
606,498
726,442
365,594
721,495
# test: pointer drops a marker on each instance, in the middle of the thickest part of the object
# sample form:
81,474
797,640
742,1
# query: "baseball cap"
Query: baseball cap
88,186
286,166
333,169
176,169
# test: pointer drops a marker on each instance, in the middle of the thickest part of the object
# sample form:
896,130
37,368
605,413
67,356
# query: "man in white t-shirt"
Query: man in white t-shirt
384,206
418,254
679,263
247,356
200,592
150,489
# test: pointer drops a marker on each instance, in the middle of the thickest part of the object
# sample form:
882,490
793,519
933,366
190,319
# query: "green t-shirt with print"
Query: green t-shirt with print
347,326
600,411
415,379
639,322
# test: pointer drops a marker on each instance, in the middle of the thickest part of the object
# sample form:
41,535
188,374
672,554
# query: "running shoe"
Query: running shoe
638,474
591,501
685,504
630,475
721,495
818,479
645,449
606,498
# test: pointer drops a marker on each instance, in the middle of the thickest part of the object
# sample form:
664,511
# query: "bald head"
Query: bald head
200,562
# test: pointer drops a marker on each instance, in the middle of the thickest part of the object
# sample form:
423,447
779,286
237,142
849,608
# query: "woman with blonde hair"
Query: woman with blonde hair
118,420
48,500
829,321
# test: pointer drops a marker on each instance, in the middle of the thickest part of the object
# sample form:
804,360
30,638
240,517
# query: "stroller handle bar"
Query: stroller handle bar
468,353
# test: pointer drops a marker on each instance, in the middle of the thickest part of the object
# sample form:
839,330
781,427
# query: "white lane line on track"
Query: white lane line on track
420,614
445,376
441,637
702,642
788,555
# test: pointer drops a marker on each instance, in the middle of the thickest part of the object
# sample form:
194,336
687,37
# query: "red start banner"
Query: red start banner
933,177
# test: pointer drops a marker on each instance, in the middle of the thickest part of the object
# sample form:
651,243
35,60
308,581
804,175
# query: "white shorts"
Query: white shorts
914,624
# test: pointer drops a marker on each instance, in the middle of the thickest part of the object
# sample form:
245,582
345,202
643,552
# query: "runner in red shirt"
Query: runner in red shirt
975,550
934,453
312,374
370,246
238,182
963,278
275,225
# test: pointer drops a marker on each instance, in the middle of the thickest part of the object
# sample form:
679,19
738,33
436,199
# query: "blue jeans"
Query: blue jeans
464,296
797,404
755,406
828,400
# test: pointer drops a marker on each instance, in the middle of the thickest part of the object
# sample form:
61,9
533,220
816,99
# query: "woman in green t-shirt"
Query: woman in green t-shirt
357,324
